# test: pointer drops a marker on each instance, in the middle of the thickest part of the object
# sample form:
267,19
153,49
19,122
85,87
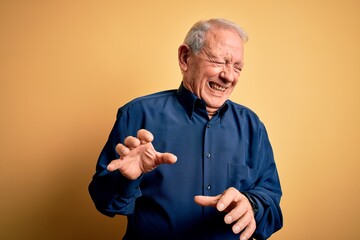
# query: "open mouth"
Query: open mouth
216,87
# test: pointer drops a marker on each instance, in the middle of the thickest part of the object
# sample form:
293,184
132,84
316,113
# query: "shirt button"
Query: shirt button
208,155
208,126
208,187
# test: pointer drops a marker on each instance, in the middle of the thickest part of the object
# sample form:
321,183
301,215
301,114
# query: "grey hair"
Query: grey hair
195,38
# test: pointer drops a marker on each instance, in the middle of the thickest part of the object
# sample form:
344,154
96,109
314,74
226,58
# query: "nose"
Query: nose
228,74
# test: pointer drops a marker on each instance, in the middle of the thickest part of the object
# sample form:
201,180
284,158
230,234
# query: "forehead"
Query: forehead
224,43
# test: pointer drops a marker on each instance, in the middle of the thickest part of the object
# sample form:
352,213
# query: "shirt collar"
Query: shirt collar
190,101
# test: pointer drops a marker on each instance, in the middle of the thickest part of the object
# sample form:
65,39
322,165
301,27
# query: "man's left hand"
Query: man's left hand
238,208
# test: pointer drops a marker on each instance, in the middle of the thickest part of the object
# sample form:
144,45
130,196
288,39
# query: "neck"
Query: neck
211,111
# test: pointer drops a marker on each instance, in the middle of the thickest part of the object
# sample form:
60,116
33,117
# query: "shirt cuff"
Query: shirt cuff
125,187
253,203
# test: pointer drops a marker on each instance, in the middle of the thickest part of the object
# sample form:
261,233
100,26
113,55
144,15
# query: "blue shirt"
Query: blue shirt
231,149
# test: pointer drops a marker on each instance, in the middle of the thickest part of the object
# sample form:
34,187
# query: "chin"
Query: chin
214,101
215,105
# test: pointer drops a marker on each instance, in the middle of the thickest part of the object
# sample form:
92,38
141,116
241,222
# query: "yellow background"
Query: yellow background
66,66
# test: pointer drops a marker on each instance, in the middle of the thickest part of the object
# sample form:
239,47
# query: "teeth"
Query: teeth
217,87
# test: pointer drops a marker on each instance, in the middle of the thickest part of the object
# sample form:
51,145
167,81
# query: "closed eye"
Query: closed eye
218,63
238,67
221,64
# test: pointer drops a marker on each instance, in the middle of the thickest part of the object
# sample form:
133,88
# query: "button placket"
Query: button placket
207,157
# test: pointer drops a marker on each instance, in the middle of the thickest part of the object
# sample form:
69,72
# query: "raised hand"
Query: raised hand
138,156
238,208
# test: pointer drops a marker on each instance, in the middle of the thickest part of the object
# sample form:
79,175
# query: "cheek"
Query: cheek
236,80
231,89
201,78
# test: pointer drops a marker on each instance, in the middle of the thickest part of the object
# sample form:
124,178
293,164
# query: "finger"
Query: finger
230,196
249,230
242,207
131,142
243,222
114,165
145,136
207,201
167,158
122,150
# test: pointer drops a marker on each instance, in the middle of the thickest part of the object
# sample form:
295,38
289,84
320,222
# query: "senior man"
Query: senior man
190,163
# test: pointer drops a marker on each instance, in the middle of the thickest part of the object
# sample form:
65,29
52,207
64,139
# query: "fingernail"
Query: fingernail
221,207
236,229
110,167
228,219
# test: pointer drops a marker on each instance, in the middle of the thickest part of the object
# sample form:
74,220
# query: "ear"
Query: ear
183,56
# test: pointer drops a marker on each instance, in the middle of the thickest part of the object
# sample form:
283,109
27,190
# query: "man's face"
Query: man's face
212,74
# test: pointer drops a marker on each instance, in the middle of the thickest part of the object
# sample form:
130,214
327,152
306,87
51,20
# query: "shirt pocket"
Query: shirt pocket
241,177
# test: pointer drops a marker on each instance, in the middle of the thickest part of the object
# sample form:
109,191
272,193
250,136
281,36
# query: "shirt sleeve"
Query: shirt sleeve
266,192
111,192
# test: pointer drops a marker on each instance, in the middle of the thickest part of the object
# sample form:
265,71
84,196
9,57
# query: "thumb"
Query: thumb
167,158
207,201
114,165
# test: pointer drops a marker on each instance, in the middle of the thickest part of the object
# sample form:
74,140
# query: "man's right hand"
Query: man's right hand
138,156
